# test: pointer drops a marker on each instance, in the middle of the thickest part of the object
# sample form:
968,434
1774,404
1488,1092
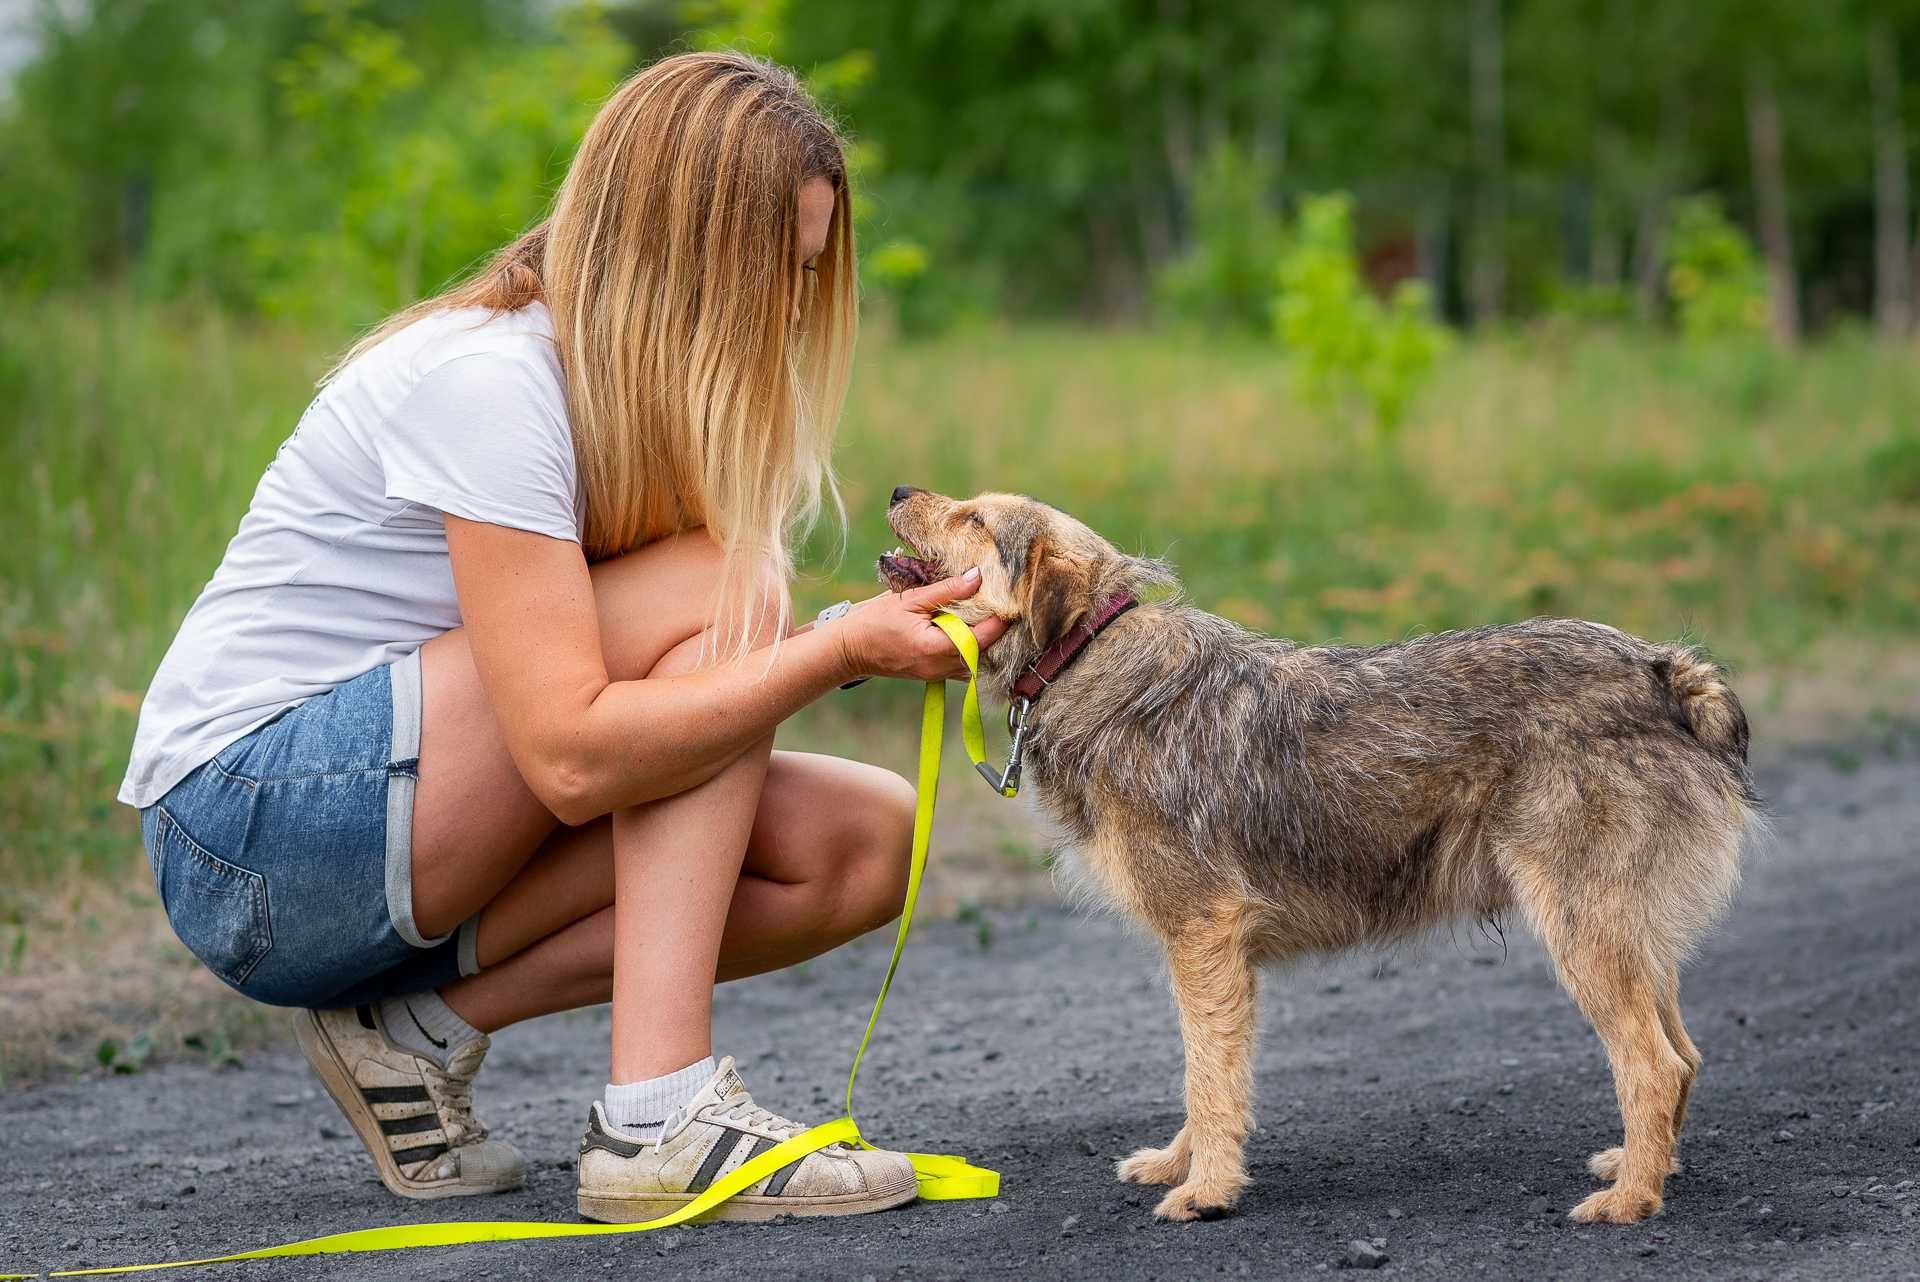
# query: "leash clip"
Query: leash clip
1007,782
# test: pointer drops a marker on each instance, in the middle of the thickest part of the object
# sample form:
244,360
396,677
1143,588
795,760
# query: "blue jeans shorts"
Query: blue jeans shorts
285,863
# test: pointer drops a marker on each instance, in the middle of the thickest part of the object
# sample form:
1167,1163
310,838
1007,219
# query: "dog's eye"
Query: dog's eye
974,518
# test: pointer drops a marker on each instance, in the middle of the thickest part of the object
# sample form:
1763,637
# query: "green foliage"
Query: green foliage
329,161
216,1048
332,159
1895,465
1718,286
1348,345
895,271
1226,277
1588,304
129,1058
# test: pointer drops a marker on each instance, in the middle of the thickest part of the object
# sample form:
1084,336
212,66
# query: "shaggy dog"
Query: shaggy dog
1250,800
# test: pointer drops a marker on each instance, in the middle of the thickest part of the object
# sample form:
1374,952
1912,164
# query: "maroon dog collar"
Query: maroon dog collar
1041,672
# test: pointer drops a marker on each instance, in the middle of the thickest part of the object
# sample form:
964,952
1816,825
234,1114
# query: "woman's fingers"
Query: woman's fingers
989,630
934,595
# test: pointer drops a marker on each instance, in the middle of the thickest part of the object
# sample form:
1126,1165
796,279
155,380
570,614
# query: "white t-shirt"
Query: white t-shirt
341,562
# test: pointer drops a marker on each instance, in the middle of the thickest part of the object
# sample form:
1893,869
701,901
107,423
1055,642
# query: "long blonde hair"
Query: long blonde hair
669,264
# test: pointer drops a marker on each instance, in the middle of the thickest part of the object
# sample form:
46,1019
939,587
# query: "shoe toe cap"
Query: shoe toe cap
492,1163
883,1171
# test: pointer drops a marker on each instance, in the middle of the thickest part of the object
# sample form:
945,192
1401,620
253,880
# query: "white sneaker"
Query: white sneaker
415,1118
625,1179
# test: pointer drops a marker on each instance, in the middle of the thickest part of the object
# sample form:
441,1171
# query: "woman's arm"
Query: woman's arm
588,745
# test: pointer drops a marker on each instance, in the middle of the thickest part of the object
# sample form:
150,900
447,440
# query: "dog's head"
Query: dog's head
1040,570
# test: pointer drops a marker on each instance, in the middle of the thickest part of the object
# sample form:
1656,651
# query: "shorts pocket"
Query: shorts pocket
219,911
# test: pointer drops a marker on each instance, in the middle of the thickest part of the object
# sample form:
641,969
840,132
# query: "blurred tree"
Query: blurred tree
1892,242
335,157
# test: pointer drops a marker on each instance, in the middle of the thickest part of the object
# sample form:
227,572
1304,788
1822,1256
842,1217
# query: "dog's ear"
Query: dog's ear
1059,591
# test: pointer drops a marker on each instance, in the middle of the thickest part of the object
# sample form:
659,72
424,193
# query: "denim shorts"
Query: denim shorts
285,863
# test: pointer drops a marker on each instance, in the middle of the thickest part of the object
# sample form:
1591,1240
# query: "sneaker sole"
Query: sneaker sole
333,1075
744,1207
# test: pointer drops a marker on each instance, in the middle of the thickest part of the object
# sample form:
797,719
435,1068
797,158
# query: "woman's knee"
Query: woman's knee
880,844
662,611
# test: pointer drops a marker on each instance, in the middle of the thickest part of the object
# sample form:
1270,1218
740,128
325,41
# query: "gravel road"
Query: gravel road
1436,1104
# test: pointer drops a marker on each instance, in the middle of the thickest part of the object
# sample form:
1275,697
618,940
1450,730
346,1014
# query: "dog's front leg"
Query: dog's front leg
1213,987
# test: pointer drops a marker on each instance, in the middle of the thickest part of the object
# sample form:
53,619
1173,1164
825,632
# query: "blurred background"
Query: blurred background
1373,316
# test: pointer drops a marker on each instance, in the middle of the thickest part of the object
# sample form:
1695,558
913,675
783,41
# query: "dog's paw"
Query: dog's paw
1154,1166
1195,1202
1616,1205
1607,1163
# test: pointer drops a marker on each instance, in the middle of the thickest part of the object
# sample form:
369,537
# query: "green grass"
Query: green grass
1757,503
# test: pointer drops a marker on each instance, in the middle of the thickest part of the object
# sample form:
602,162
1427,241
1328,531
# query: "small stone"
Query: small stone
1461,1104
71,1244
1068,1225
1505,1088
1361,1254
1086,1146
331,1132
1509,1062
186,1190
1540,1205
286,1101
214,1165
1783,1136
997,1207
1395,1213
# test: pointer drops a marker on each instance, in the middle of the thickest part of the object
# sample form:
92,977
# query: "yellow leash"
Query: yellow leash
942,1176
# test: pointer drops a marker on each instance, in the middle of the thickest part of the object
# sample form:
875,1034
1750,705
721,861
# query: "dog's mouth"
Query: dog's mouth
902,570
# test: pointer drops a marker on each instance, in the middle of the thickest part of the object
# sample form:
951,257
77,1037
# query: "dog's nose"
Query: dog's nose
901,493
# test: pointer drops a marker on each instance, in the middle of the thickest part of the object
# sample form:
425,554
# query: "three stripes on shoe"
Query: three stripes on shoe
398,1130
725,1145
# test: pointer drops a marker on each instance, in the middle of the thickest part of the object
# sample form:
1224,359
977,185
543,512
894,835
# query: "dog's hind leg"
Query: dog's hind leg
1213,987
1620,988
1683,1046
1606,1163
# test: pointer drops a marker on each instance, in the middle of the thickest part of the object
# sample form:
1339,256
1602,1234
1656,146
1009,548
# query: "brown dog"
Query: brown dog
1250,800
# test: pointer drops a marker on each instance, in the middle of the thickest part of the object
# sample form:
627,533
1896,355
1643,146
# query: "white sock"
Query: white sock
422,1023
643,1107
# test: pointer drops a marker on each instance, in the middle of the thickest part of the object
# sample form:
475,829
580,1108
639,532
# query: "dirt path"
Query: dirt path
1442,1101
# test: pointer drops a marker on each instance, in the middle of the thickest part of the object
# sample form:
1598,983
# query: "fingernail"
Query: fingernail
971,576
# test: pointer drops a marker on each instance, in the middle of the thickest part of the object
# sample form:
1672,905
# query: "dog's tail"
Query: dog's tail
1709,708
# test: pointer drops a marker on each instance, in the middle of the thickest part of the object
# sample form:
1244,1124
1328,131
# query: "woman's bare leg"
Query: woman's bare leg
483,841
675,864
826,863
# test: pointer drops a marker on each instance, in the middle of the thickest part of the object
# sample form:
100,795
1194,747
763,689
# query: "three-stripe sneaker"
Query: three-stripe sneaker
625,1179
415,1117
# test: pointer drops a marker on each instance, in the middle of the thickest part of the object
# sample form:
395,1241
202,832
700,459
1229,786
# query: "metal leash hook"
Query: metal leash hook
1007,782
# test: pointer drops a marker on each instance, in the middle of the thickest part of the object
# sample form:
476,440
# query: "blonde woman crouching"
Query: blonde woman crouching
475,720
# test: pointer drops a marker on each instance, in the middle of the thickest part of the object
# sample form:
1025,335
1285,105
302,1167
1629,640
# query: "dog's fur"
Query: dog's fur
1250,800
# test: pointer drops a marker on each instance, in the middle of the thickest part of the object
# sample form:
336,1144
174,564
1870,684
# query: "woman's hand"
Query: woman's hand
894,635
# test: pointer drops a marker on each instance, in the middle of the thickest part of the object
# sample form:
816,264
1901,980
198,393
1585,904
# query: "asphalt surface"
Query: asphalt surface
1438,1104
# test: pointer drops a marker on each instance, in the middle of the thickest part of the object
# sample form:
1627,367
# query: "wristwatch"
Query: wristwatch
828,615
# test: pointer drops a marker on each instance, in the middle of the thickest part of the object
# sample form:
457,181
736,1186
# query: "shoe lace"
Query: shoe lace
741,1108
453,1097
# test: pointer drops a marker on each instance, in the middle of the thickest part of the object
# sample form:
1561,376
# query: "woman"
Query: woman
474,722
